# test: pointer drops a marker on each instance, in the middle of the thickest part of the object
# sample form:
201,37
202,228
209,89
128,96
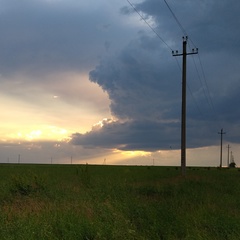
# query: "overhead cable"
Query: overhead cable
148,24
176,19
178,22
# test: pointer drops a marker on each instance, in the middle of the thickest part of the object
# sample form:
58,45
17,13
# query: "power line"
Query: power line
190,91
207,94
205,86
179,23
200,79
149,24
176,19
205,80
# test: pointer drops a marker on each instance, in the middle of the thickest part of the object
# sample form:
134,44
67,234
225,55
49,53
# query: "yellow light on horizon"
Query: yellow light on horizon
38,133
133,154
34,134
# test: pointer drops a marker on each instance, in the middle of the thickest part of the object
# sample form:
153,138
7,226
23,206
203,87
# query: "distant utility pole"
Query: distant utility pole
221,146
228,147
232,157
184,76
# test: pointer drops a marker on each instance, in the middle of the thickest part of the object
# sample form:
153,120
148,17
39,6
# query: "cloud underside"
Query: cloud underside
130,135
139,135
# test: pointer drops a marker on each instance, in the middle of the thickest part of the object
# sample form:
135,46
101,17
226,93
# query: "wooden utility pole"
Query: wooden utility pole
228,147
221,146
184,83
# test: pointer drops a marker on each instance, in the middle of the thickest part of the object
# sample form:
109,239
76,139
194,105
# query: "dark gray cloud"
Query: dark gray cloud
136,82
143,80
140,76
130,135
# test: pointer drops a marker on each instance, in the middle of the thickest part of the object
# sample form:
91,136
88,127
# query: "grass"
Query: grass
118,202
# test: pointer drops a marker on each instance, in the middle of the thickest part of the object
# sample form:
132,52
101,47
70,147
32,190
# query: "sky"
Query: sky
95,81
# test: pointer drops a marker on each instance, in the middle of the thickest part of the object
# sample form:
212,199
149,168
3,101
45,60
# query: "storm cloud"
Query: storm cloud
66,65
143,80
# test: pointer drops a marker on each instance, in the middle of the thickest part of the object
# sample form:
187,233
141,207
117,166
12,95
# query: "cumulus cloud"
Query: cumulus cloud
136,81
143,81
45,43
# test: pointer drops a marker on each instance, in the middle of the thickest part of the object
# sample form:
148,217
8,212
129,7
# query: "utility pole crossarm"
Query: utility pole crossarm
176,54
184,76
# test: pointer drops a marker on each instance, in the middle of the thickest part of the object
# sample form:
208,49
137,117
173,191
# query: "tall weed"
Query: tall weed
26,184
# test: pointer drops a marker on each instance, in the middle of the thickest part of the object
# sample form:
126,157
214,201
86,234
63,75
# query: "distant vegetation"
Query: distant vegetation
118,202
232,165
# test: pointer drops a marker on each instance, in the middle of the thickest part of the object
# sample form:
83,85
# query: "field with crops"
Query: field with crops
118,202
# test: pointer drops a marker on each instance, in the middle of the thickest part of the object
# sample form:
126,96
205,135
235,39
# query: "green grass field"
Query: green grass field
118,202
